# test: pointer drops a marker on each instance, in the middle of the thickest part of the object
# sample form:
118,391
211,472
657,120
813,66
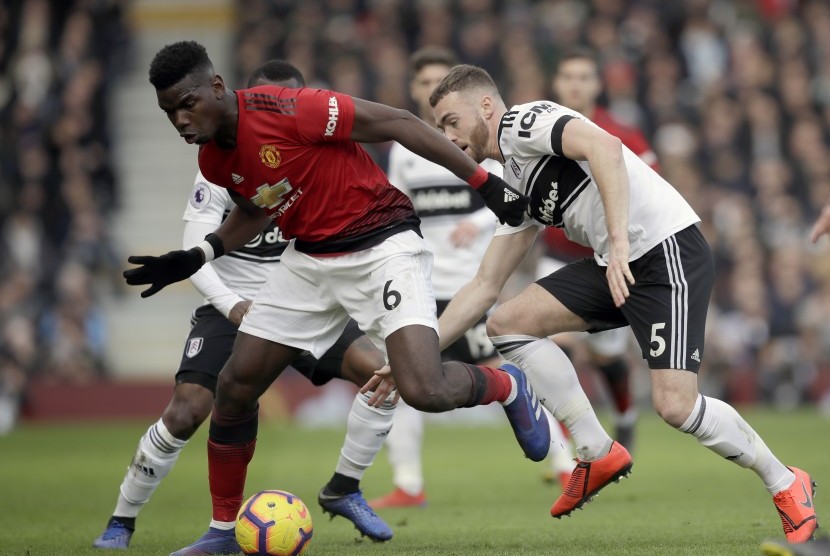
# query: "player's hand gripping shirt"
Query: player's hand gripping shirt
294,158
243,271
442,200
564,194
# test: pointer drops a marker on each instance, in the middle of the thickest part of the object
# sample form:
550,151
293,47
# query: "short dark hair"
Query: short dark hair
462,78
577,53
276,70
432,55
176,61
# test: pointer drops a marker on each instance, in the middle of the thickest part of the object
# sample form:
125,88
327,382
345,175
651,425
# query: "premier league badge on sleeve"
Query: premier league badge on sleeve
194,346
200,196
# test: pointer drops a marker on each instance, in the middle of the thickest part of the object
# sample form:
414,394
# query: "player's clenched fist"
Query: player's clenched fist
507,203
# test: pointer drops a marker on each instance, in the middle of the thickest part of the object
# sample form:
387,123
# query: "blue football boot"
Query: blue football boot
116,536
215,541
530,425
355,508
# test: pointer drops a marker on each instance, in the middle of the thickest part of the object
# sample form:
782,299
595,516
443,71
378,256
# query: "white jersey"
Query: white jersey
243,271
442,200
564,194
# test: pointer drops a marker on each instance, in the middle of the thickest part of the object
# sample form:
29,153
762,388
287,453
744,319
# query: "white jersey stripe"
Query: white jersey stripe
678,303
685,312
670,270
577,190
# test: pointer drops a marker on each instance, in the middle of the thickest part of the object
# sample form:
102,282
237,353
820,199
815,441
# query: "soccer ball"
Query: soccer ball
274,523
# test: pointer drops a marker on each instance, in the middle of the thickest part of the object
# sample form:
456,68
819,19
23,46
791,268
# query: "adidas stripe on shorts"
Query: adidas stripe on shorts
667,305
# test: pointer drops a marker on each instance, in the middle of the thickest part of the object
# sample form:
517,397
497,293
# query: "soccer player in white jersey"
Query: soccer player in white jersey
228,285
652,270
457,228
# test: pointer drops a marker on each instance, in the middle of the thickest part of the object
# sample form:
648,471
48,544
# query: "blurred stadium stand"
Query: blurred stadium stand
734,95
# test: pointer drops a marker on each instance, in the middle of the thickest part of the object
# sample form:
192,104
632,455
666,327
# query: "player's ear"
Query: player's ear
217,85
486,106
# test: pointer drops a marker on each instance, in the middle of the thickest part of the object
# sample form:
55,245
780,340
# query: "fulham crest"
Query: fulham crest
194,346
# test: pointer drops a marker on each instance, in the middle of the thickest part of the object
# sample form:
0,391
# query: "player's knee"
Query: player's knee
500,323
234,395
185,415
671,409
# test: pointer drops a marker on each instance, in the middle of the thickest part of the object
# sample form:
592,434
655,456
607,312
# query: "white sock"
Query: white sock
222,525
561,452
403,447
366,430
157,452
554,379
718,426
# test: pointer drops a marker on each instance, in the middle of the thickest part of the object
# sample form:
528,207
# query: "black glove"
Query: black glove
171,267
508,204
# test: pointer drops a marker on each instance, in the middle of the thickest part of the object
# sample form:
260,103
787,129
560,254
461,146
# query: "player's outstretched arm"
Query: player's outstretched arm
603,151
242,225
377,123
503,255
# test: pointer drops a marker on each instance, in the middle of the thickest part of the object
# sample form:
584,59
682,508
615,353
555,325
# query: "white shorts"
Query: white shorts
609,343
307,301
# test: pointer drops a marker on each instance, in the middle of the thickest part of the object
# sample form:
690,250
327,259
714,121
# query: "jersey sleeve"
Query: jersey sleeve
324,116
207,202
536,129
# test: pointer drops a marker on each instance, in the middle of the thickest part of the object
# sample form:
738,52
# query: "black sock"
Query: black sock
128,522
341,484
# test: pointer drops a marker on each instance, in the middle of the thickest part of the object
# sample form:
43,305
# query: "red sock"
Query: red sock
497,385
616,375
227,469
622,399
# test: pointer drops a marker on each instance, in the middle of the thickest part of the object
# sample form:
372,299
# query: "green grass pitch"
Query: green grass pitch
58,485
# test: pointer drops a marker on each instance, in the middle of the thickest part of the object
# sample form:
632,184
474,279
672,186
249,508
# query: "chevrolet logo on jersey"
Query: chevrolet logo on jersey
270,196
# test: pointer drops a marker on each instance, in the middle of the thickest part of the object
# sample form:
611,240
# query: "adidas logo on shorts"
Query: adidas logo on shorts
696,355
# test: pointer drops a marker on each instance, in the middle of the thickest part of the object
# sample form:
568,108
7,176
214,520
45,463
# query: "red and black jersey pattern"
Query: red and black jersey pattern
270,103
295,159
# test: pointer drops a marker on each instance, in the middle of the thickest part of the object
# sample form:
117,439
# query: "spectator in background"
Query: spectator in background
58,187
726,91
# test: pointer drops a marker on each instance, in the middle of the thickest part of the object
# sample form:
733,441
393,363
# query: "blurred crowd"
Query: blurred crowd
57,187
733,94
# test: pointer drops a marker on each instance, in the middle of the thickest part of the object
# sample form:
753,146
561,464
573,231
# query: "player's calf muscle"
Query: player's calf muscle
426,397
187,410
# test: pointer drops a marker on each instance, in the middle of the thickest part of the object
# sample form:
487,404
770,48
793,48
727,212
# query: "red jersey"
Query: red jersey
556,244
295,159
630,137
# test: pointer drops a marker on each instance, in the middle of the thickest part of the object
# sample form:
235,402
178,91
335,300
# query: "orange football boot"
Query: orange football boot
589,477
399,498
796,509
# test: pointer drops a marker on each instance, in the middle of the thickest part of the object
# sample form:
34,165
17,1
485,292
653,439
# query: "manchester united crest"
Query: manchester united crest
270,156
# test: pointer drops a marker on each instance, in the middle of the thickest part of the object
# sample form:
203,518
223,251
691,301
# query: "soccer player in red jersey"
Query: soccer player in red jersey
228,286
292,155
